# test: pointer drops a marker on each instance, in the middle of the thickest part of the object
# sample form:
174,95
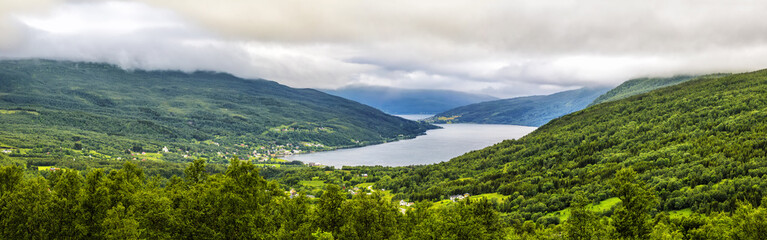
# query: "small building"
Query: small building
456,197
165,149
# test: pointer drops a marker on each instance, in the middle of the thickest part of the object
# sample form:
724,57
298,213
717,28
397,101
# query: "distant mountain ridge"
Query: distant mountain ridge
408,101
526,111
102,107
642,85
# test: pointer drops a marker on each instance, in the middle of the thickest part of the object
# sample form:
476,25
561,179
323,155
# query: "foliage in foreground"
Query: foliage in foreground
240,204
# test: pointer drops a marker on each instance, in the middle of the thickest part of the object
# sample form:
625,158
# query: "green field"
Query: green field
316,183
489,196
604,205
680,213
44,168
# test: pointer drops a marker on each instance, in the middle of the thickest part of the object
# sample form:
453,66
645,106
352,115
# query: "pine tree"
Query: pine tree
632,218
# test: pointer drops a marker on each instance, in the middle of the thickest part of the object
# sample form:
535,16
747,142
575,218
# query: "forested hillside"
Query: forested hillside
408,101
52,109
700,146
526,111
642,85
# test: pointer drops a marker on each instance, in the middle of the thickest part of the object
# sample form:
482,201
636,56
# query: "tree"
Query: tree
369,217
749,223
295,218
10,177
320,235
67,205
119,224
241,202
196,173
329,216
631,219
96,203
25,212
583,224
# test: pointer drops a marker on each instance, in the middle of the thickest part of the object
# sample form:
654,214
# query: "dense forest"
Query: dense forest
240,204
525,111
102,111
236,204
699,146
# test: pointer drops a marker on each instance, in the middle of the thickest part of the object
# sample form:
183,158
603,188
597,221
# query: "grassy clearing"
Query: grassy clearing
315,184
604,205
489,196
44,168
267,165
680,213
18,111
364,185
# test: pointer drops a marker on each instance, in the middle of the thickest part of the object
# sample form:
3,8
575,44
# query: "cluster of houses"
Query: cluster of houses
308,144
459,197
292,193
259,153
355,191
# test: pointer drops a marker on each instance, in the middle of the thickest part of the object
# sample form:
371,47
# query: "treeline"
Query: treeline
236,204
240,204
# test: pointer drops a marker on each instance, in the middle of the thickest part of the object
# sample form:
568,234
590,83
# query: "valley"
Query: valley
693,149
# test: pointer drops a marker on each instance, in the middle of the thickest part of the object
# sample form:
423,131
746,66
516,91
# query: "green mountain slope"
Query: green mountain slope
54,106
526,111
701,145
408,101
642,85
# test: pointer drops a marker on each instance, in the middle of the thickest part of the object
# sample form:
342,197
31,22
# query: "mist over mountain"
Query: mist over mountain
408,101
526,111
102,107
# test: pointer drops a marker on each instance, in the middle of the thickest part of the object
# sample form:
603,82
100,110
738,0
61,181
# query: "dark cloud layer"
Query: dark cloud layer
504,48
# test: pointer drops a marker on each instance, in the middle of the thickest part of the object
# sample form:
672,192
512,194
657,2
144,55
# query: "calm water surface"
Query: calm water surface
414,117
436,146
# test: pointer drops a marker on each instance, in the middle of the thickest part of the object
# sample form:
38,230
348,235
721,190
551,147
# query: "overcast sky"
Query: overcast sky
501,48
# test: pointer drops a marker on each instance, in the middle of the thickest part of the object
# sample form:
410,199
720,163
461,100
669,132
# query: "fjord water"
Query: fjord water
437,145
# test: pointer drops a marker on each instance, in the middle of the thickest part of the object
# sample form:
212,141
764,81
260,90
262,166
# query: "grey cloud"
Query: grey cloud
12,32
503,48
523,26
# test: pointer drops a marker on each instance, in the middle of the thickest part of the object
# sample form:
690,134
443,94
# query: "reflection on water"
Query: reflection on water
436,146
